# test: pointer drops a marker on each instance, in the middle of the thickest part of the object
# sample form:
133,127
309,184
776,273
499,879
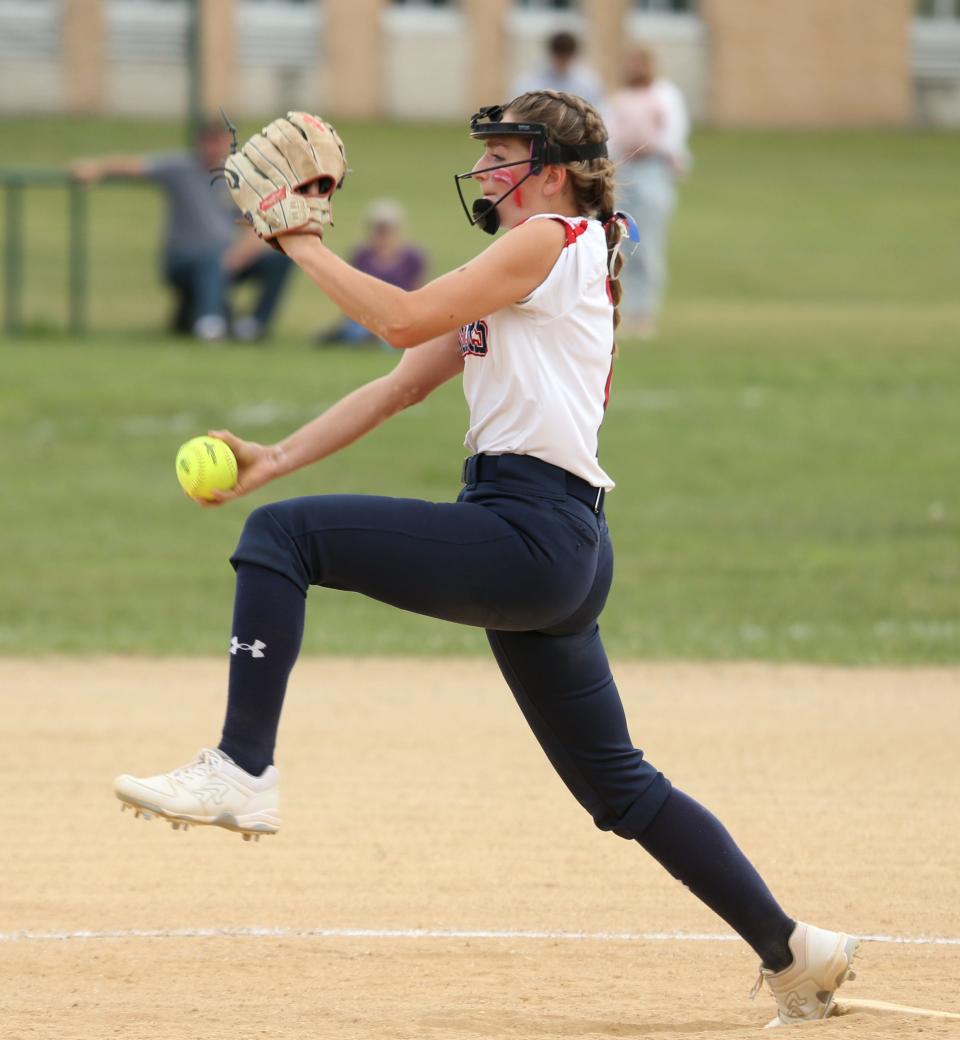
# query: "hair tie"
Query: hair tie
629,225
628,230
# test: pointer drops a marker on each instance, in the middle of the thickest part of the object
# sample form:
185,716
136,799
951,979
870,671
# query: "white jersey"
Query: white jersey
537,373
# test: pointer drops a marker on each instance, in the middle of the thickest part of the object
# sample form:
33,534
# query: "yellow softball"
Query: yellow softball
204,465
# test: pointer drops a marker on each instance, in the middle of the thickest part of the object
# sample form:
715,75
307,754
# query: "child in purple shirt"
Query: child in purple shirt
387,255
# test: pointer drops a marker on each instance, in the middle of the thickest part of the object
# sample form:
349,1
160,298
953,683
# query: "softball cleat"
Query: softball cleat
212,791
804,991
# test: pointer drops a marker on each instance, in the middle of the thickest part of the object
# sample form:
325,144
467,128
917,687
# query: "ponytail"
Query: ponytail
615,231
573,121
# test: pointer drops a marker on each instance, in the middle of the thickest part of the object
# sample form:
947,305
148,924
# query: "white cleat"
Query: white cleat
211,790
804,991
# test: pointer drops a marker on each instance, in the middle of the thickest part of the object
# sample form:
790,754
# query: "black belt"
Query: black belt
479,468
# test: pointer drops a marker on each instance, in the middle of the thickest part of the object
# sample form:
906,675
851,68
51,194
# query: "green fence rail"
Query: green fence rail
15,184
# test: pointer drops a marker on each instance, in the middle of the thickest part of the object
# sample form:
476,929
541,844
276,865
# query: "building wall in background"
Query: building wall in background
935,45
739,62
31,68
281,62
682,45
816,63
427,62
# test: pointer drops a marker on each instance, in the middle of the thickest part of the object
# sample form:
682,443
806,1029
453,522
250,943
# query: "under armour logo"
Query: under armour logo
255,649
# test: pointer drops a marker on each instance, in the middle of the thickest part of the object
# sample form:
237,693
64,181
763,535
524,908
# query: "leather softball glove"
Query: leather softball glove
283,178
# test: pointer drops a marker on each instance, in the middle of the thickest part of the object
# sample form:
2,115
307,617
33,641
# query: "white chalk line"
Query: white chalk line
419,933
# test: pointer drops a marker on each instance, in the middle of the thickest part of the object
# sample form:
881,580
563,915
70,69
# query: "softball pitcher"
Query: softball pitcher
524,552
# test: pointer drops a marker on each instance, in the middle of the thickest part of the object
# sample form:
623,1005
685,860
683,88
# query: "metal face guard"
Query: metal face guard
488,122
484,211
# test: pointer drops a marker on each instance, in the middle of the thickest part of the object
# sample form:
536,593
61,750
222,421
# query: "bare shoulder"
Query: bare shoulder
532,245
509,269
538,233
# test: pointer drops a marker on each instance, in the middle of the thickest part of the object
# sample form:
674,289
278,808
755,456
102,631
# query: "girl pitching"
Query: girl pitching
524,552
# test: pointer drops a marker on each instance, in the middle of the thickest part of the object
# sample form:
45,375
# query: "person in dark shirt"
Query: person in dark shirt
205,250
386,254
562,70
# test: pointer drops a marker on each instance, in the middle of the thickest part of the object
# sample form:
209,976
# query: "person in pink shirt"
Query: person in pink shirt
648,125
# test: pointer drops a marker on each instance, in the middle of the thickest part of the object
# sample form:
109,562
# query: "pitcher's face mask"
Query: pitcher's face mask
488,122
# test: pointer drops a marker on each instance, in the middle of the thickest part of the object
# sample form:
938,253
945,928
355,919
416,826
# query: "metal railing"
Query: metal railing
15,184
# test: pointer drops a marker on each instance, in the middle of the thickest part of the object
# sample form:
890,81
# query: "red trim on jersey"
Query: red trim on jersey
572,233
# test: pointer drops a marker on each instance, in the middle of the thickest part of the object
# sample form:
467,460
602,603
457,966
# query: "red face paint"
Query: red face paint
510,177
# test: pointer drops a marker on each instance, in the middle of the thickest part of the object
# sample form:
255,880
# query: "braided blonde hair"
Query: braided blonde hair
571,120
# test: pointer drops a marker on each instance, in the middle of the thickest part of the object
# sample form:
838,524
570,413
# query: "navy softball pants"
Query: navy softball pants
522,554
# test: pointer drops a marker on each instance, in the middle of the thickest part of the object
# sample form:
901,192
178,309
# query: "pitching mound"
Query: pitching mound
433,878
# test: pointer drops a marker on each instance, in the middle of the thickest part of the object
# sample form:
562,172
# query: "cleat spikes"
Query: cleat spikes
245,803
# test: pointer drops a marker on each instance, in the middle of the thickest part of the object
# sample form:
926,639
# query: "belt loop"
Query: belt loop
463,471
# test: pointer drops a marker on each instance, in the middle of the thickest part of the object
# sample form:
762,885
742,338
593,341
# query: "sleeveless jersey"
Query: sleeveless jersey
537,373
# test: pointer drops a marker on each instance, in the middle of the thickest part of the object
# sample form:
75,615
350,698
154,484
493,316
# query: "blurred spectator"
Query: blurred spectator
648,125
386,254
206,250
562,71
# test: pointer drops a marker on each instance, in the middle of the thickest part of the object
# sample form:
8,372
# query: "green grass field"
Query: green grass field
786,451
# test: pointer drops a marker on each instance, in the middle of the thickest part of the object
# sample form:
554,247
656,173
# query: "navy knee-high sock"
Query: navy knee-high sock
268,616
698,850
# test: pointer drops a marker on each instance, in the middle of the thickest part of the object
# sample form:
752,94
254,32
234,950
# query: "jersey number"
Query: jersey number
473,339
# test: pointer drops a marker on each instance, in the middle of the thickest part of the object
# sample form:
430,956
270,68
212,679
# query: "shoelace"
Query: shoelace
204,764
755,988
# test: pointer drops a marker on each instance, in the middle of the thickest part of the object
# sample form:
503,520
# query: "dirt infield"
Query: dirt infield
416,799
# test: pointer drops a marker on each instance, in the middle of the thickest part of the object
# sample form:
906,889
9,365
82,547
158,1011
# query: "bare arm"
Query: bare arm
245,249
507,271
108,166
417,375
